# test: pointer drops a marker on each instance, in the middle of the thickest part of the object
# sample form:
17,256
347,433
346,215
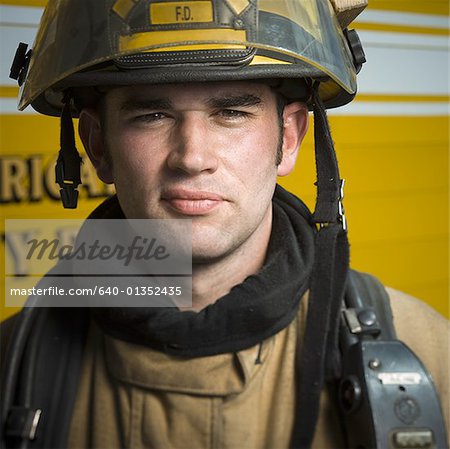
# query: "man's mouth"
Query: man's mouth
192,202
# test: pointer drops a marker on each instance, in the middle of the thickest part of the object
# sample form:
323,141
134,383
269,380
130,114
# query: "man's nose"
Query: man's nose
193,147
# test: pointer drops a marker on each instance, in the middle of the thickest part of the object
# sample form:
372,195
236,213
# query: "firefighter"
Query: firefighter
192,109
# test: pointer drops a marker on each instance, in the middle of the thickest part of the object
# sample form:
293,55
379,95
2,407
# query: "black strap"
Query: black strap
39,413
328,180
320,354
12,362
326,290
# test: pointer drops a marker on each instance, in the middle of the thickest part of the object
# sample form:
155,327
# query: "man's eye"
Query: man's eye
151,117
233,113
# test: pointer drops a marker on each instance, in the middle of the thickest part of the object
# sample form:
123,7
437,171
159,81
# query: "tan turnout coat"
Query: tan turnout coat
133,397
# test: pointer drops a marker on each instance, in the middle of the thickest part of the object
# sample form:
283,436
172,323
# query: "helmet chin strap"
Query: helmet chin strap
319,359
67,168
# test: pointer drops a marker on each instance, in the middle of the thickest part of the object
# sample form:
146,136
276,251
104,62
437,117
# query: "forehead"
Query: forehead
193,93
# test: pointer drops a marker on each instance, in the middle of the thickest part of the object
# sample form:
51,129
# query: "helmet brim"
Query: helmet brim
295,81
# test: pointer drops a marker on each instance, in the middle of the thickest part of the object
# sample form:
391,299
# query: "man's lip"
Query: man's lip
193,195
192,202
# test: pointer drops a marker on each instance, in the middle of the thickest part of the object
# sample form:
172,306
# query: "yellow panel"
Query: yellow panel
399,218
153,38
397,198
426,131
181,12
32,154
403,98
42,133
402,266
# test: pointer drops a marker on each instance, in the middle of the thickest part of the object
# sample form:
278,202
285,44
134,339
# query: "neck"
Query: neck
211,281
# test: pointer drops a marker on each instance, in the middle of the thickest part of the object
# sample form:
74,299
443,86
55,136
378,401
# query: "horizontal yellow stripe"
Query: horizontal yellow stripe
404,98
35,3
9,91
151,38
196,47
401,29
440,7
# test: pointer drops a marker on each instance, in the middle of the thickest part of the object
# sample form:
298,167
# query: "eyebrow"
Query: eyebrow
230,101
138,104
222,102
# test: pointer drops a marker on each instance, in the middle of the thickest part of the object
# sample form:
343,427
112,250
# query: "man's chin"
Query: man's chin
208,254
206,258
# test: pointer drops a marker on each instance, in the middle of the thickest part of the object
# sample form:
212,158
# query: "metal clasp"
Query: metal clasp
23,422
341,210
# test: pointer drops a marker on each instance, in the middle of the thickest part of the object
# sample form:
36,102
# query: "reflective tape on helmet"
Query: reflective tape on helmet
163,39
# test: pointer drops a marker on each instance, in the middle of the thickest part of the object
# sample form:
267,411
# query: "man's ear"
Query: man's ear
295,125
89,128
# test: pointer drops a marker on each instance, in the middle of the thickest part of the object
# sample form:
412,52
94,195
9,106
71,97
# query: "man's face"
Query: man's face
206,152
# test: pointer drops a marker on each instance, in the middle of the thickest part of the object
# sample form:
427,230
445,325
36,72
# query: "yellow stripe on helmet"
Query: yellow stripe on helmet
181,39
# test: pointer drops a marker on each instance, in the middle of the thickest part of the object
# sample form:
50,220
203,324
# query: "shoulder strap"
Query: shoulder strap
386,396
41,375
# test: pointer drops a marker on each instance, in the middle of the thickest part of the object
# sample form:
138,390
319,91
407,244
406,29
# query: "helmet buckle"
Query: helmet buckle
68,192
356,48
19,66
